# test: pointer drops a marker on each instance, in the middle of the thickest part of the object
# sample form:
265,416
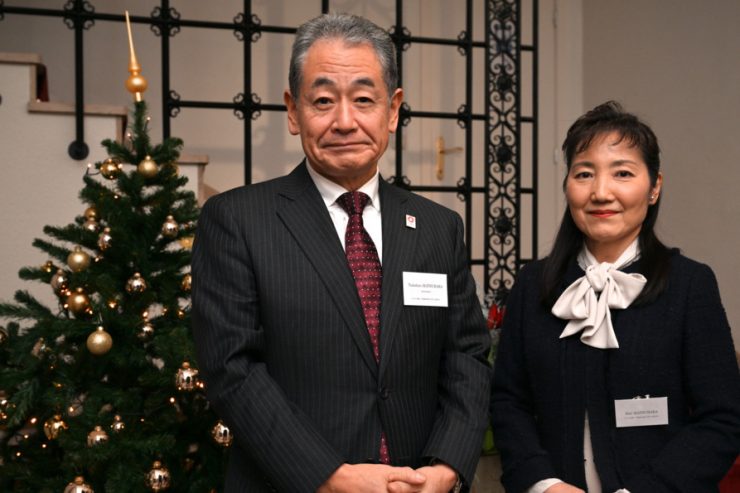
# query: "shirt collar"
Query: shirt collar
331,191
628,257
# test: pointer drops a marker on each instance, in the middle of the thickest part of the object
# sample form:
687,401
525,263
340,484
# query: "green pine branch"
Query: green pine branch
135,378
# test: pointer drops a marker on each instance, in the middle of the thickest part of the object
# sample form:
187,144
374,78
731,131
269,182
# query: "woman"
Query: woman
616,370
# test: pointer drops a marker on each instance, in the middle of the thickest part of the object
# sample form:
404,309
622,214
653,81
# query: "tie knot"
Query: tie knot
353,202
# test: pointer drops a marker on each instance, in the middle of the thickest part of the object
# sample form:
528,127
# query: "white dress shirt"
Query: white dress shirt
330,192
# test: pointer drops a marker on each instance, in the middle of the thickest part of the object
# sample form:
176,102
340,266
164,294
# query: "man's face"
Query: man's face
343,112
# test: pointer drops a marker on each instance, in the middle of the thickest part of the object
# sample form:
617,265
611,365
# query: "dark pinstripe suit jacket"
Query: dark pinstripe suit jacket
285,353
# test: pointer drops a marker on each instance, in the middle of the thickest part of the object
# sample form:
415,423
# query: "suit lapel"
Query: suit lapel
304,214
399,243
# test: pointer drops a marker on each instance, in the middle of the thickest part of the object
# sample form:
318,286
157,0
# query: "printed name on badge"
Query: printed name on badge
641,411
424,289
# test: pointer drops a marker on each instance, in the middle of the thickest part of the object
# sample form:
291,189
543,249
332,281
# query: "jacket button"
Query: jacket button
384,393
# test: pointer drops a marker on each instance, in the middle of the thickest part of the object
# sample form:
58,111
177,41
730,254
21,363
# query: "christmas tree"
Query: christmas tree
101,393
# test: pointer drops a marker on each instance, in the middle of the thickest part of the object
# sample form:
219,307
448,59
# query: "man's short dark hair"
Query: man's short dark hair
351,29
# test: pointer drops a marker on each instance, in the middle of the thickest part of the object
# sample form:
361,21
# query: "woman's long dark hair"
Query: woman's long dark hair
654,255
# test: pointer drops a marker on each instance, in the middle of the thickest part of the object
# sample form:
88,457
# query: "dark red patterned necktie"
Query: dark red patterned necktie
364,262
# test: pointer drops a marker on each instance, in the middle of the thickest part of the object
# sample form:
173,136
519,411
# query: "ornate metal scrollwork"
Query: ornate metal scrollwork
253,106
170,20
402,39
463,113
463,188
503,166
404,114
173,104
400,181
78,11
463,40
247,26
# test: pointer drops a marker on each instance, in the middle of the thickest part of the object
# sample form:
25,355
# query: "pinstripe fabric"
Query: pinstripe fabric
285,353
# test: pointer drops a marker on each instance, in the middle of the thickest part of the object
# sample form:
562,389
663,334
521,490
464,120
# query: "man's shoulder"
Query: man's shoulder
419,203
248,192
255,192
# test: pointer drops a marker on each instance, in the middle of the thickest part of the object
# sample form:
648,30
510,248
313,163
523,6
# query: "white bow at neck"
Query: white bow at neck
588,300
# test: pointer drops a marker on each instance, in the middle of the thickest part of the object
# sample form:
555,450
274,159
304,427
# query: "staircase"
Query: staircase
39,182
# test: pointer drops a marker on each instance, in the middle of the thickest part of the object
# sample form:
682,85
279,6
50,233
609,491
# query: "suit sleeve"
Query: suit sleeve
230,342
701,453
464,378
524,460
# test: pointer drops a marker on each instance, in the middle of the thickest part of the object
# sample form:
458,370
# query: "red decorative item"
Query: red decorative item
495,316
731,482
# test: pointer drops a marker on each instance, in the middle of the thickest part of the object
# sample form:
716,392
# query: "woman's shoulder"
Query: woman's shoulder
532,269
692,277
529,277
684,266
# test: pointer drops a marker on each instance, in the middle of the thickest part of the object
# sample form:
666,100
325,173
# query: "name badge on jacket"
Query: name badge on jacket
641,411
424,289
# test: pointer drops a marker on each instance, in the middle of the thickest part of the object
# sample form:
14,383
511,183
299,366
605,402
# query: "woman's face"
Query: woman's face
608,192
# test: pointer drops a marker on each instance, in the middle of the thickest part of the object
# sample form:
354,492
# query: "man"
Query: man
332,373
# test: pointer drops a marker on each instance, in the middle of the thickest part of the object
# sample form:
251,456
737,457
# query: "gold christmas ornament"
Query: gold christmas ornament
221,434
48,266
91,224
187,242
78,260
3,335
187,283
158,478
104,240
40,348
75,409
170,228
110,169
78,303
186,378
136,284
118,425
78,486
136,84
59,281
147,167
146,331
99,342
91,213
96,437
4,406
53,426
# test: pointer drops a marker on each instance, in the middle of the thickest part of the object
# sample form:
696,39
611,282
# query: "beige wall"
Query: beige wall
208,65
671,61
561,102
39,187
675,63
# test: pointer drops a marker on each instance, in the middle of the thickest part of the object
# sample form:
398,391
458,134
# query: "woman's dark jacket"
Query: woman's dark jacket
678,346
